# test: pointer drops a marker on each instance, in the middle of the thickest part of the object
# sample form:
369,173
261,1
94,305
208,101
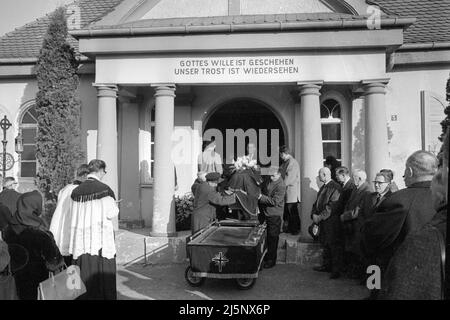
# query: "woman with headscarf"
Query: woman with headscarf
29,231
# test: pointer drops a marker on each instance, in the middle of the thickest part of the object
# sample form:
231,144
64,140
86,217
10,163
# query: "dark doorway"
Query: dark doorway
245,114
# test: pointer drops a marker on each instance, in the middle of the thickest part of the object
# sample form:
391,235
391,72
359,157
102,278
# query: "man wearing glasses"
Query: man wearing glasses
382,187
402,212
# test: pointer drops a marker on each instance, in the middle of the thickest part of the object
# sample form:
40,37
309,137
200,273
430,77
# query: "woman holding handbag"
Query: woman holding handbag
28,230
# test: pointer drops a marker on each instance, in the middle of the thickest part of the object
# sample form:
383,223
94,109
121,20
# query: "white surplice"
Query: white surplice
92,227
60,226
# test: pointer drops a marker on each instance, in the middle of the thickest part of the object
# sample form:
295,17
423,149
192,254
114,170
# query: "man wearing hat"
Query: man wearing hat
271,205
206,198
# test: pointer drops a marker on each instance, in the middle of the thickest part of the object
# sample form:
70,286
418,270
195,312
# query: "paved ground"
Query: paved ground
284,282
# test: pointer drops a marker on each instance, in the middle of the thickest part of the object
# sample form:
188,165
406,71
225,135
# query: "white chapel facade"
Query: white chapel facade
333,77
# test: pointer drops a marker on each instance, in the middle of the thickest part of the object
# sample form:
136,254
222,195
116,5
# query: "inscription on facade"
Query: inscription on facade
236,66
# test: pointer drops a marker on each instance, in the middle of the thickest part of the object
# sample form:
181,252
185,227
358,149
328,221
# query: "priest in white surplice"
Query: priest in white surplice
61,222
92,234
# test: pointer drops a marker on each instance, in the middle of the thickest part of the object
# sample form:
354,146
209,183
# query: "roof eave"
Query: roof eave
31,60
230,28
424,46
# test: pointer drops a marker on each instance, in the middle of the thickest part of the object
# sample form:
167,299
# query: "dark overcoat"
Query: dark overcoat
206,198
326,206
352,220
414,272
401,213
272,202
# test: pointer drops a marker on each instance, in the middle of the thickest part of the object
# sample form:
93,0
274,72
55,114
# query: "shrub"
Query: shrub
58,142
184,206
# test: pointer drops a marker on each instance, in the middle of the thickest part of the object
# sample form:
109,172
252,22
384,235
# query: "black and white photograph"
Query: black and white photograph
225,155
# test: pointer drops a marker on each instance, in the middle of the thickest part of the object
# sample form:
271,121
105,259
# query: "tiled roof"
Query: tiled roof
433,18
26,41
433,23
237,19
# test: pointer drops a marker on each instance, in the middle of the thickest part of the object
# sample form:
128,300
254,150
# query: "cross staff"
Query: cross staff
4,125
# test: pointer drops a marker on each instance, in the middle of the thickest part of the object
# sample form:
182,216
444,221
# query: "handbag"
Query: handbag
8,290
65,285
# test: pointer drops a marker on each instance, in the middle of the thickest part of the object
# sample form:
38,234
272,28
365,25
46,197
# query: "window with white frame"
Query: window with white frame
331,120
432,109
28,128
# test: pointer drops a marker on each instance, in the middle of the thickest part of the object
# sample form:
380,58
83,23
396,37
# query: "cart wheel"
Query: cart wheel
191,279
245,283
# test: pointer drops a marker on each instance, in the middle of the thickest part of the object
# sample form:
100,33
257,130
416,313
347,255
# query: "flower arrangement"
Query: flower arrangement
184,207
244,163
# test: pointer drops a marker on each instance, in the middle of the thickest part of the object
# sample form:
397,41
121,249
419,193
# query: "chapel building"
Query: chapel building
363,81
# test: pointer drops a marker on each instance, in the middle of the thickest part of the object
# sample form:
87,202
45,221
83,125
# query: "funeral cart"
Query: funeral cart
227,249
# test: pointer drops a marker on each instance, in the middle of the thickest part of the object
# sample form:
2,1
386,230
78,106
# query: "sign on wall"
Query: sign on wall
343,67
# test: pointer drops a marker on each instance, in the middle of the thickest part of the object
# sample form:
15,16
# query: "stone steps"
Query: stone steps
134,246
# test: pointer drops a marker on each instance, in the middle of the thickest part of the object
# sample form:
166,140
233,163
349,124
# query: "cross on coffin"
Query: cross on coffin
220,260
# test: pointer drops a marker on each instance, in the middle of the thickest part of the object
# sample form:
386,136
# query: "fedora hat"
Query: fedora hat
213,177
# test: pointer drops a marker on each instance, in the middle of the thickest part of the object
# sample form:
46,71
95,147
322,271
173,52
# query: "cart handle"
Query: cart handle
201,231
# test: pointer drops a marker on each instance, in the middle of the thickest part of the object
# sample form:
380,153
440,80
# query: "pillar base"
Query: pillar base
132,224
163,234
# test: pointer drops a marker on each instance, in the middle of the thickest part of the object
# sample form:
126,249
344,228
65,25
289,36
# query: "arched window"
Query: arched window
331,119
28,129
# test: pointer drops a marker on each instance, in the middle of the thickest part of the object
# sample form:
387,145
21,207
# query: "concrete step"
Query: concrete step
135,246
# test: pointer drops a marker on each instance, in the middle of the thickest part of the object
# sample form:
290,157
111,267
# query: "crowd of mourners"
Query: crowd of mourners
399,232
80,233
360,221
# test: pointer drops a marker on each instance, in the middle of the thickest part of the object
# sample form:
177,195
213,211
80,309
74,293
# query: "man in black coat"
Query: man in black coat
348,186
351,221
415,272
9,195
325,213
403,212
271,205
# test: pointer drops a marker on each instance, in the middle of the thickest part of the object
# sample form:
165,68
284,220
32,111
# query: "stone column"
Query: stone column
107,135
311,159
130,210
376,140
163,221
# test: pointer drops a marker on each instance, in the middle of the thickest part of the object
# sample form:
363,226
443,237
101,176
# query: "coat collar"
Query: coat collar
273,184
421,184
364,187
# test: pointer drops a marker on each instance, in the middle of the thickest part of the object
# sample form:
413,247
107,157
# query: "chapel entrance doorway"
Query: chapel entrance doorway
247,114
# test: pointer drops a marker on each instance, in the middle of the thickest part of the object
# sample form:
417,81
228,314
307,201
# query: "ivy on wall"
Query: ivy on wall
446,122
58,149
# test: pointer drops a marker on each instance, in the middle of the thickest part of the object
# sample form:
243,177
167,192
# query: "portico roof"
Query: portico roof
240,23
431,30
